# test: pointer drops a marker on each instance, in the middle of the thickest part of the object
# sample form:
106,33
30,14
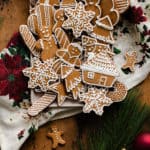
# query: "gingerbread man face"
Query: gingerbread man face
59,15
74,51
44,32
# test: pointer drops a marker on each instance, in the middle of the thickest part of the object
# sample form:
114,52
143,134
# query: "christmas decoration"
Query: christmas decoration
142,142
84,68
63,65
55,135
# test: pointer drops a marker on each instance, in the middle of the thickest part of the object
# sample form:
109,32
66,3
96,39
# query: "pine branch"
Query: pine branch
119,125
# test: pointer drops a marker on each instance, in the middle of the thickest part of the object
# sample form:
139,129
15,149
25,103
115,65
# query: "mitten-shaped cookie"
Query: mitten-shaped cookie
93,5
121,5
108,9
70,56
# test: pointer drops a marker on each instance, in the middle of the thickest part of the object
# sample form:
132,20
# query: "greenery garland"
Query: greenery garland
117,128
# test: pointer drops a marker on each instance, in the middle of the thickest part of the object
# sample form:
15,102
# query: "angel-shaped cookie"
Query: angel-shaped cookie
71,56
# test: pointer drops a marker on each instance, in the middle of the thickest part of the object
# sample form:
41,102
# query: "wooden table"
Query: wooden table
12,15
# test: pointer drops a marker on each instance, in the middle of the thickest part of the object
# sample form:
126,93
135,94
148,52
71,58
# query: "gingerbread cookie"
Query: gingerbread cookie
90,45
57,66
62,38
71,55
56,137
119,92
77,22
93,5
103,30
131,59
99,70
40,74
108,9
60,89
95,100
122,5
78,90
40,104
41,23
29,40
66,70
67,3
59,17
72,80
73,83
50,2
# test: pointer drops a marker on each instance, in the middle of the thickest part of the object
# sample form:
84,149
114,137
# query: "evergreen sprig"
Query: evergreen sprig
118,127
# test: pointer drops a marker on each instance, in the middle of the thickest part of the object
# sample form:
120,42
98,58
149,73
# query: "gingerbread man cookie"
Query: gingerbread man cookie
56,137
70,56
93,5
108,9
59,17
131,59
41,23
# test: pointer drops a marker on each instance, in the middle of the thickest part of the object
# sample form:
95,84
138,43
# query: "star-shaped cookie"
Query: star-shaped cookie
78,19
95,100
60,89
40,74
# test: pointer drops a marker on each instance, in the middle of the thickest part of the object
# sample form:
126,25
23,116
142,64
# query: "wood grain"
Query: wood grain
14,14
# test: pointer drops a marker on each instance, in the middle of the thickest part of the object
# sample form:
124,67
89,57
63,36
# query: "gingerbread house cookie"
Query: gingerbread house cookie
99,70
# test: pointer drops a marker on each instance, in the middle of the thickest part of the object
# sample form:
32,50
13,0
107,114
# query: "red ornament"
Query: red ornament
142,142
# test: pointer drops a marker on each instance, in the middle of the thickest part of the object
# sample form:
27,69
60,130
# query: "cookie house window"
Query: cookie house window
91,75
103,80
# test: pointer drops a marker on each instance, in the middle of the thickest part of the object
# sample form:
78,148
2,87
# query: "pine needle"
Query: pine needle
119,125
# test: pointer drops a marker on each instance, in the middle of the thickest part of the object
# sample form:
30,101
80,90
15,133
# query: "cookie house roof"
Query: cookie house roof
105,22
101,63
